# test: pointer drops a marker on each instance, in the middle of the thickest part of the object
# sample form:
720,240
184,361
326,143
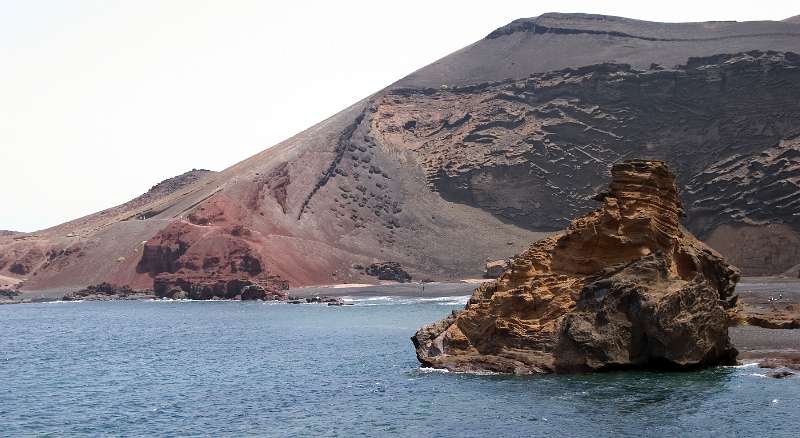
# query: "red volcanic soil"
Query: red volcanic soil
508,137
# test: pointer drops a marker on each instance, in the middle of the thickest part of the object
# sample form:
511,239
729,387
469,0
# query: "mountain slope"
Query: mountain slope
429,171
557,41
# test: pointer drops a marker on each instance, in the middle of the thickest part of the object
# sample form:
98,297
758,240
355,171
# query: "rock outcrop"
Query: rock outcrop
785,366
176,286
202,260
775,315
494,269
624,286
8,294
388,271
106,291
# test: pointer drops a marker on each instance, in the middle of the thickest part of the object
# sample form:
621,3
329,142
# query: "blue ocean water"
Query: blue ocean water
270,369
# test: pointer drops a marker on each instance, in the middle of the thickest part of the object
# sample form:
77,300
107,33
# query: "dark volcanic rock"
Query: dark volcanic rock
324,299
780,374
624,286
106,291
257,292
532,151
19,268
495,268
388,271
8,295
167,187
177,294
253,292
788,361
218,287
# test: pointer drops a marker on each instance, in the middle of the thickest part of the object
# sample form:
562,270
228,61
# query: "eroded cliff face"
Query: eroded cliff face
531,151
623,286
206,261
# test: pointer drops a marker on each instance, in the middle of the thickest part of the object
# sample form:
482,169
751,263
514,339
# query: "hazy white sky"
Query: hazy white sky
99,100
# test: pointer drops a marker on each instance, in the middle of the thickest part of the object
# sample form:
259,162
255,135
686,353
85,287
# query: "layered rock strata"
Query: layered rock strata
623,286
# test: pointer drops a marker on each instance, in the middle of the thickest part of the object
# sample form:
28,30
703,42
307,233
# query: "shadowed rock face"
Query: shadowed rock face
388,271
206,261
623,286
532,151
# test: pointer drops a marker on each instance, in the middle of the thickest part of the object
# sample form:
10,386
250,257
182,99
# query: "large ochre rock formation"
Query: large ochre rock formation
507,137
623,286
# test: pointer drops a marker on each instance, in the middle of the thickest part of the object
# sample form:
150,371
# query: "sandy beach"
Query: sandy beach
414,289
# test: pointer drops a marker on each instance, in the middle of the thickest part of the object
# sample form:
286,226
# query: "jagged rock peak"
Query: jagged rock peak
623,286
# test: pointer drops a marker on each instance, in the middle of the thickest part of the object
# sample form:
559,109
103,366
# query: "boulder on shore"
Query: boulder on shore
224,287
495,268
625,286
388,271
106,291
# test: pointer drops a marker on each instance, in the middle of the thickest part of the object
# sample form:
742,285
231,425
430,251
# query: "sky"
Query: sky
100,100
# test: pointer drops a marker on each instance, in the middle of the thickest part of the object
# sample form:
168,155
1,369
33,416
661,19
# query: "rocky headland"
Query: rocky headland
623,286
107,291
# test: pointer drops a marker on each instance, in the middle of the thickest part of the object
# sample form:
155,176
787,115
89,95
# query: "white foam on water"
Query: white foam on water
398,300
426,370
462,301
745,365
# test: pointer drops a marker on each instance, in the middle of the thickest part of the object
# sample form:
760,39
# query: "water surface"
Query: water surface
271,369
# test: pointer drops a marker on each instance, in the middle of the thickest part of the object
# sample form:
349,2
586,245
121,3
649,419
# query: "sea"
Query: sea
189,368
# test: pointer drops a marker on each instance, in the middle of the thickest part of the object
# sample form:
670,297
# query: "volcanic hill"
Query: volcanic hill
510,136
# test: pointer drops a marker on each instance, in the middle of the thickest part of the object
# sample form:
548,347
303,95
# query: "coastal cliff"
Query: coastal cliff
623,286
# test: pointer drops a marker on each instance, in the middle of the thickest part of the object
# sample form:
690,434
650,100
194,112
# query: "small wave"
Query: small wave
461,301
369,299
400,300
426,370
447,301
744,365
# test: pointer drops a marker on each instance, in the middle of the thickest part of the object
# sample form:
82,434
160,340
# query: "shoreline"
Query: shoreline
757,288
753,288
755,344
407,290
356,290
